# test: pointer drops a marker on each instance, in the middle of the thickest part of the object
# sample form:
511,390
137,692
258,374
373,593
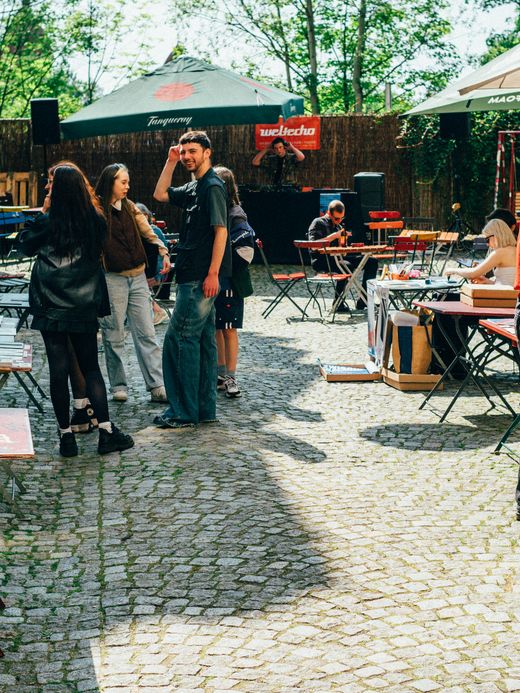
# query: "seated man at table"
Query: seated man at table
330,227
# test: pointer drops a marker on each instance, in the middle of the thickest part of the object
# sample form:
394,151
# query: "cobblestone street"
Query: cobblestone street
320,537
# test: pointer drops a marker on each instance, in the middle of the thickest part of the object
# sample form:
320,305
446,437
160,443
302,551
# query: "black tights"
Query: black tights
84,345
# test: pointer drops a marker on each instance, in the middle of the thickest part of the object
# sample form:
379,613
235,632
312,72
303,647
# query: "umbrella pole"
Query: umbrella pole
500,152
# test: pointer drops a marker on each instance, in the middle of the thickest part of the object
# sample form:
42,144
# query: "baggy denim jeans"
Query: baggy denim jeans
130,298
190,357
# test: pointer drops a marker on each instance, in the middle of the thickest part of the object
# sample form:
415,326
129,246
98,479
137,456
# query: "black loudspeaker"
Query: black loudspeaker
45,121
455,126
371,189
353,216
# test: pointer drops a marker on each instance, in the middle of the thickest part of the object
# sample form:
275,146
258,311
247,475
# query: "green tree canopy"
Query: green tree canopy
40,40
339,53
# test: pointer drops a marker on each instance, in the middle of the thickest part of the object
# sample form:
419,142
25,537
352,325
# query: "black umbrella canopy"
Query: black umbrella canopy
185,93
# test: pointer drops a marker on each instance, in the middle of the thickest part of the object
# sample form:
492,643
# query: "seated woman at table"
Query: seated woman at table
501,259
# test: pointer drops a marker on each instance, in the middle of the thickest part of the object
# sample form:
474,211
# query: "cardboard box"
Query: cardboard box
488,302
410,382
488,295
348,372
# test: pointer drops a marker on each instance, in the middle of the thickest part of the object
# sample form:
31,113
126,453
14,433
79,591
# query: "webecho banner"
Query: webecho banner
302,131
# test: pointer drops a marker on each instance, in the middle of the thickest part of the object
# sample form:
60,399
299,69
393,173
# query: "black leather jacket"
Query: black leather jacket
72,289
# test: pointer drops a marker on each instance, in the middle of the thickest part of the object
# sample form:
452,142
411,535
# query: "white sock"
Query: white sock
81,403
106,426
65,430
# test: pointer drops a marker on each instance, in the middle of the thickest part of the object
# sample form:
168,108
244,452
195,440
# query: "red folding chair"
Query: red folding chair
315,283
283,283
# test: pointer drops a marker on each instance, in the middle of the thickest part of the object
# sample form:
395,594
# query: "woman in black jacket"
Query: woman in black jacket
66,296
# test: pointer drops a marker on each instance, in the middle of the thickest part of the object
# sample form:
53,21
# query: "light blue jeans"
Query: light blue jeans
190,357
130,298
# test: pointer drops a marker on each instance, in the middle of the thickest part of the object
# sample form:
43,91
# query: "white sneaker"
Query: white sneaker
159,316
120,396
232,389
158,394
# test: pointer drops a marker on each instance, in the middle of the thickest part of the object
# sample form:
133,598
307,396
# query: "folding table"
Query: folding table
15,444
10,216
464,354
16,358
399,295
17,303
501,337
341,255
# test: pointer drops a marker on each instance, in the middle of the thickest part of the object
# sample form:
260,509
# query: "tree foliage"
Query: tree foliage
472,162
503,41
341,53
34,53
40,40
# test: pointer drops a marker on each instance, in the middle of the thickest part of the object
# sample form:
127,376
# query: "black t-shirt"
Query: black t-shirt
205,206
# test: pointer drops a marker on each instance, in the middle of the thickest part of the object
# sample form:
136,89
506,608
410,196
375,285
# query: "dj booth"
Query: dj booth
280,216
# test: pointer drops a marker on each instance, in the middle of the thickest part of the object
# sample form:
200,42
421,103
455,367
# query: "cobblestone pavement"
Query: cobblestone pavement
321,537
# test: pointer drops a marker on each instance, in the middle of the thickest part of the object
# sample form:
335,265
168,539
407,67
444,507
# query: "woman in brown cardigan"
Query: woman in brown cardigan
125,262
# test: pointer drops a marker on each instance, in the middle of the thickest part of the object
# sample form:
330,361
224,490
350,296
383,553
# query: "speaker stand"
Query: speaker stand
45,167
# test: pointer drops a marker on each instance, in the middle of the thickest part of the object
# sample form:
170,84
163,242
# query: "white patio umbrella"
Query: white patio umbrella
493,87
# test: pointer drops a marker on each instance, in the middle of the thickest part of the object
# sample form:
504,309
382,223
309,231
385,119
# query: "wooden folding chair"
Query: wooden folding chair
282,282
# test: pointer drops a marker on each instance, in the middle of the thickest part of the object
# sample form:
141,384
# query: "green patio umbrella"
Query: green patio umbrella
181,94
493,87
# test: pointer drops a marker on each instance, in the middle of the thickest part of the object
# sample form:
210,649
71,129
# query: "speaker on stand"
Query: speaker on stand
45,125
371,189
456,126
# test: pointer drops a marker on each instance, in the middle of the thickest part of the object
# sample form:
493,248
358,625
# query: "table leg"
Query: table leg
477,364
28,391
354,281
457,351
506,435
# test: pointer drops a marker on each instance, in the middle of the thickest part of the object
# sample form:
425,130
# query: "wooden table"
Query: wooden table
341,255
15,444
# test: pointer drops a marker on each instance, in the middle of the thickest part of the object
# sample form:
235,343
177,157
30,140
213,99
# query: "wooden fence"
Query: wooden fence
349,144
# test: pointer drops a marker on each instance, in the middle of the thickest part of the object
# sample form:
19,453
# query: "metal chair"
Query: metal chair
317,282
282,282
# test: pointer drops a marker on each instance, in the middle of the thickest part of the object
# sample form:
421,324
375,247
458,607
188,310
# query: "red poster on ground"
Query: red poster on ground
302,131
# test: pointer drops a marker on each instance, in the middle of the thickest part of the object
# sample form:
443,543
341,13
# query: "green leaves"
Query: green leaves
40,41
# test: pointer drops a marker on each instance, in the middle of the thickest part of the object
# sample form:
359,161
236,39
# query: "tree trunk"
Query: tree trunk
313,59
286,55
358,57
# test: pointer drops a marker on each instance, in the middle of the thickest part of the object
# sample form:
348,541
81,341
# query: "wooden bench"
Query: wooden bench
15,444
16,358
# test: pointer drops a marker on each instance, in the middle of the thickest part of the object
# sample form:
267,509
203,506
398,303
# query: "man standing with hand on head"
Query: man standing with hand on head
280,158
203,252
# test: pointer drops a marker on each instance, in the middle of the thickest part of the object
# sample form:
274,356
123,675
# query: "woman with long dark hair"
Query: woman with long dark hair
124,260
66,297
83,419
229,305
